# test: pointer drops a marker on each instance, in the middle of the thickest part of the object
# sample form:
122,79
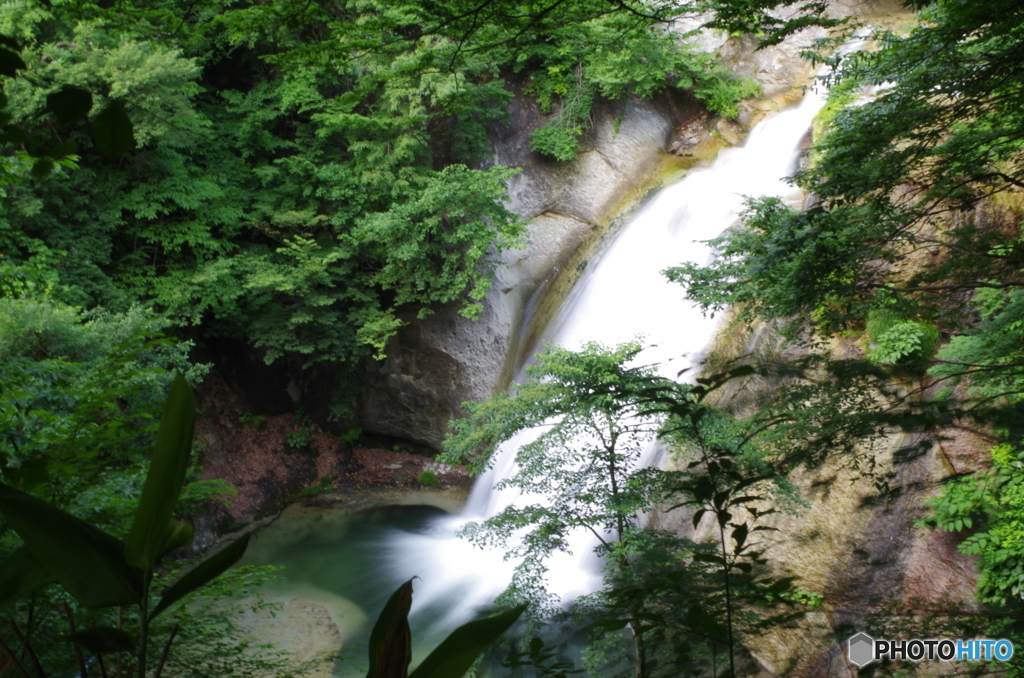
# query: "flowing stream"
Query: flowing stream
623,296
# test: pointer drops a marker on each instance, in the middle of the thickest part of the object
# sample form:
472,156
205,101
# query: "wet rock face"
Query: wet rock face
435,364
621,150
856,545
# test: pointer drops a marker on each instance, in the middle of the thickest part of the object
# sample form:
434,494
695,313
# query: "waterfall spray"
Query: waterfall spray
623,296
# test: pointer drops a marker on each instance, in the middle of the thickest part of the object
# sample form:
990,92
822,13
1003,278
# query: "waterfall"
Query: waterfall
621,297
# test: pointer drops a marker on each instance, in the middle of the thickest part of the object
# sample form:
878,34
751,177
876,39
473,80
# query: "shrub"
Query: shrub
300,439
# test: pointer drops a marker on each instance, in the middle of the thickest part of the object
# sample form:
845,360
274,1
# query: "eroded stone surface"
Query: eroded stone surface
435,364
853,543
310,626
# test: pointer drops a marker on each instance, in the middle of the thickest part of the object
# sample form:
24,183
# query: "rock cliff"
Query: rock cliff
435,364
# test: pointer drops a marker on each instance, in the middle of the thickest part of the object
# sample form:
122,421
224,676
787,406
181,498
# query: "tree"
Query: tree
913,245
345,141
583,470
81,393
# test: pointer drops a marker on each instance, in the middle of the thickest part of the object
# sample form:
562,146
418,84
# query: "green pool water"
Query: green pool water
346,563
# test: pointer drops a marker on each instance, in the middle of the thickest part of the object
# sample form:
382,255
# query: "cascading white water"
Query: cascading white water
623,297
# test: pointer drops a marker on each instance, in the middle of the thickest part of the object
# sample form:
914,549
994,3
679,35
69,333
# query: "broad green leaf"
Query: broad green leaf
104,639
202,574
456,653
178,534
391,641
85,560
165,477
20,575
10,63
113,131
69,104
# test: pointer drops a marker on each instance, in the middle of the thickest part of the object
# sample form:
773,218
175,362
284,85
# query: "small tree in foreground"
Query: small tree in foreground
585,470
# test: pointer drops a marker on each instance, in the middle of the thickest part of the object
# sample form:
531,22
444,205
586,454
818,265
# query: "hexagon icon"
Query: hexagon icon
862,649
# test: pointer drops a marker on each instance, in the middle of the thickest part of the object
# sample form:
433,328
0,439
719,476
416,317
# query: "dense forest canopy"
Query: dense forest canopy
288,174
303,170
300,175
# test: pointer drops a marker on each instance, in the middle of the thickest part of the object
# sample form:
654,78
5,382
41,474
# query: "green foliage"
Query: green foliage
589,418
991,505
900,340
99,570
264,210
427,478
615,57
390,645
987,356
302,176
781,264
812,600
254,420
584,461
78,404
323,484
70,105
542,658
300,438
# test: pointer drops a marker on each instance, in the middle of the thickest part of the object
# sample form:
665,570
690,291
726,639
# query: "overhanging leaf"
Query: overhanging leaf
390,641
113,131
20,575
202,574
456,653
178,534
85,560
165,477
104,639
69,104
